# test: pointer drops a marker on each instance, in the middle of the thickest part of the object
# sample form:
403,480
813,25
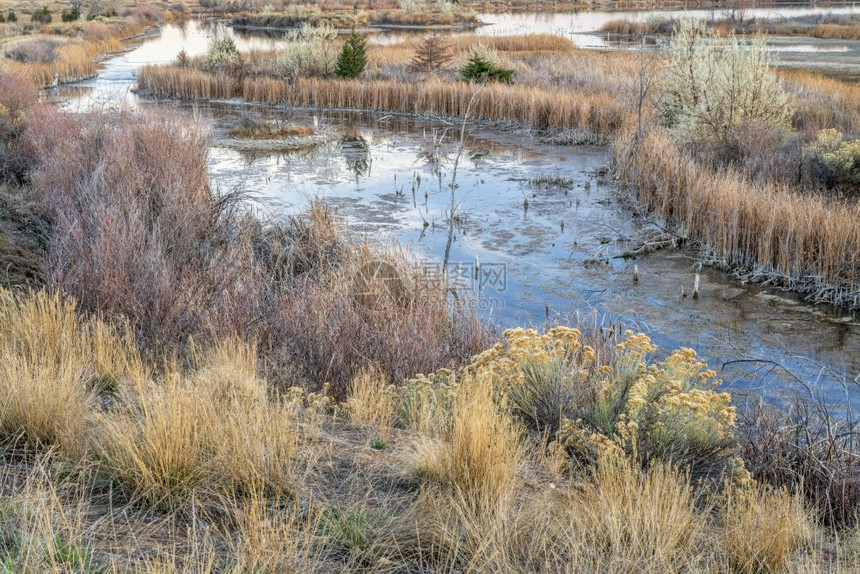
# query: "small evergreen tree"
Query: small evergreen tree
353,57
480,68
223,56
432,55
70,15
42,16
12,17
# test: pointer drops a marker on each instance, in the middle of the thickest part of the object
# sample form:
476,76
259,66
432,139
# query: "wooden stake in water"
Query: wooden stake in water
696,287
635,273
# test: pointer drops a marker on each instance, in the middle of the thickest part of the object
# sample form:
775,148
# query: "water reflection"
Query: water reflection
356,152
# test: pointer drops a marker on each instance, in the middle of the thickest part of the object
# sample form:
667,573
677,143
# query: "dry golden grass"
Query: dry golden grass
478,454
212,430
539,108
762,530
274,535
806,242
401,53
75,61
371,402
642,521
54,363
822,102
215,442
836,31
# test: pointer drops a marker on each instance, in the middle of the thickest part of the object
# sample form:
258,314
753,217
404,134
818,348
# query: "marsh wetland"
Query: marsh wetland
549,214
412,286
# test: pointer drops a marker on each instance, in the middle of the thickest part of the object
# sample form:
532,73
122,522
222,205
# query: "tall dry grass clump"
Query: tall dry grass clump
807,243
630,519
54,363
763,529
371,402
274,534
215,429
478,454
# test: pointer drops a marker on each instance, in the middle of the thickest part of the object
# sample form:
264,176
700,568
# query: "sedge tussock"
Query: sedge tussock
179,438
54,362
371,402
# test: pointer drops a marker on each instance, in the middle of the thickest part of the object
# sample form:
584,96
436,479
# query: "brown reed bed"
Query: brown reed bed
268,131
74,61
822,102
806,243
534,107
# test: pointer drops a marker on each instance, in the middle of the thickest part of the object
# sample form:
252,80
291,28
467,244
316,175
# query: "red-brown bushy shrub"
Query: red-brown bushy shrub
17,93
16,96
136,232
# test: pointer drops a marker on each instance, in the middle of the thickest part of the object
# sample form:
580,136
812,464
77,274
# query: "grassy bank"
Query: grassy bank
769,232
345,19
128,466
825,26
70,51
532,107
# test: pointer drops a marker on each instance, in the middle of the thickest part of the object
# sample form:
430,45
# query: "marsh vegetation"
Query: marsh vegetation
191,386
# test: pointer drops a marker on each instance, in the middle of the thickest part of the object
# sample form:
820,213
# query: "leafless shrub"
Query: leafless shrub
16,95
811,445
136,232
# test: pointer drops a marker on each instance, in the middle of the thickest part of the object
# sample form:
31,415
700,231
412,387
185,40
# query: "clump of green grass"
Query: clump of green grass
355,531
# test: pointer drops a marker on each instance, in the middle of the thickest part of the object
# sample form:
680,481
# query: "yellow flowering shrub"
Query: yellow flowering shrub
615,399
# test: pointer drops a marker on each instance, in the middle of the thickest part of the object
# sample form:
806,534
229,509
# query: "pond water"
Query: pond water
547,229
580,27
